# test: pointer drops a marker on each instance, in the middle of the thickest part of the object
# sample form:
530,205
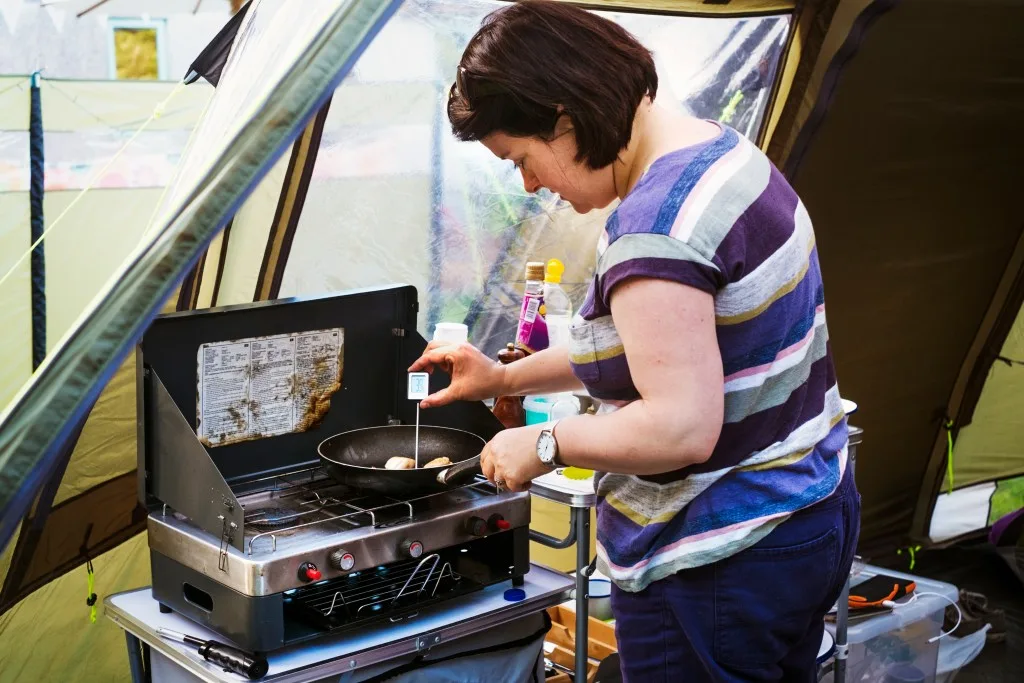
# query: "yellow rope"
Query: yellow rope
188,144
157,113
949,455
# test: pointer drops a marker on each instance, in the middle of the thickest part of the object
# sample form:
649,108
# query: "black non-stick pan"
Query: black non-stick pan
357,458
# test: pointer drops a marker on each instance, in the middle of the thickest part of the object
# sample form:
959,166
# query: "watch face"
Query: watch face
546,447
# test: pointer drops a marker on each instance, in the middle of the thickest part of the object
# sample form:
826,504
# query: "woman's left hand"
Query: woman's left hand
510,458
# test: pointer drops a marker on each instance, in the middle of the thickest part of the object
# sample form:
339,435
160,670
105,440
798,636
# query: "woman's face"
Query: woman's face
552,164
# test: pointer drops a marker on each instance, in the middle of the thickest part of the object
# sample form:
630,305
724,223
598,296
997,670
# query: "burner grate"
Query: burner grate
307,498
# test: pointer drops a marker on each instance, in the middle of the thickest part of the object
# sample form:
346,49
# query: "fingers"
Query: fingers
438,398
436,353
487,463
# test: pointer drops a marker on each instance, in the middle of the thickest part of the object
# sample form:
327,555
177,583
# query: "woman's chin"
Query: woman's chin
579,207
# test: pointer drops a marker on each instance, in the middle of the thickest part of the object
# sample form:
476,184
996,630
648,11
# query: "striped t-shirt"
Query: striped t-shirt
720,217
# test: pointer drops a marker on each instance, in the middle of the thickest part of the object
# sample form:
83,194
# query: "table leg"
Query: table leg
842,647
581,523
135,659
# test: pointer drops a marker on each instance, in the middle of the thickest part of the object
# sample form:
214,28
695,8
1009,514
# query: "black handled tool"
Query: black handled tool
252,666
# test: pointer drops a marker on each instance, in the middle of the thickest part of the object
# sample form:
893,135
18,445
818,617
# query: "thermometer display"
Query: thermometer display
418,386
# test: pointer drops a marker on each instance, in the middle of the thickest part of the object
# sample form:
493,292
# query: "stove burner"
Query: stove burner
273,518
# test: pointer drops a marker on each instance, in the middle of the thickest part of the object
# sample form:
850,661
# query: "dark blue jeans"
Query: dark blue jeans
755,616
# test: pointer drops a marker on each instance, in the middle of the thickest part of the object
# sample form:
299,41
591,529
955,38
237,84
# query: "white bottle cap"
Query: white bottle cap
453,333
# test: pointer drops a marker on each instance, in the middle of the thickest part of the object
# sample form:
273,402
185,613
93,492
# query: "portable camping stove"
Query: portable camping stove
256,542
319,557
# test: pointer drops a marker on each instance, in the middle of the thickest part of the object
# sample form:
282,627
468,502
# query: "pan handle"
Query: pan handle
460,472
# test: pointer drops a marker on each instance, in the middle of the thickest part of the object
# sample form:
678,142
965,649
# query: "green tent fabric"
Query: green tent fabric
987,462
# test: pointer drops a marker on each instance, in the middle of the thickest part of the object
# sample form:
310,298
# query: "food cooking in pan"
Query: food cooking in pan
400,463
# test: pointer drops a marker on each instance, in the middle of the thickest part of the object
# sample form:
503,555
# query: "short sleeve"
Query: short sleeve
656,256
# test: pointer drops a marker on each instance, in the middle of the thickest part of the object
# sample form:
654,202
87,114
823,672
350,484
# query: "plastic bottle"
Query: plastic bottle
557,305
532,331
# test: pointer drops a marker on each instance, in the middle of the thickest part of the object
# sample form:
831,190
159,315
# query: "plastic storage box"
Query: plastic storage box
893,647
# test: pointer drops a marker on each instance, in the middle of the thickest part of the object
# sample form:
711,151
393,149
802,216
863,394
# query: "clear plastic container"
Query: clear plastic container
894,647
547,407
557,305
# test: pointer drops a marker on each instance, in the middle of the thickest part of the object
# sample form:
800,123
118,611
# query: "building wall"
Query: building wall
52,39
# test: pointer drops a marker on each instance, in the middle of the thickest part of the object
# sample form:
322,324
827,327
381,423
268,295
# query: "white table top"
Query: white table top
139,614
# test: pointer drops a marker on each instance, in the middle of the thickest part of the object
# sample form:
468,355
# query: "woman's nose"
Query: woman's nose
530,182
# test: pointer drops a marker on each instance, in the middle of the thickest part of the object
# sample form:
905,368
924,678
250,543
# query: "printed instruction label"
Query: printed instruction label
265,386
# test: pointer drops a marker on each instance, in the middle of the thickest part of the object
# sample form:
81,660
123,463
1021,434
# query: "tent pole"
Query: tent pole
436,206
38,223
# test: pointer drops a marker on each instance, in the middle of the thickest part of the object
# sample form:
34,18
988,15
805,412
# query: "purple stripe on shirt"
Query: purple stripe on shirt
760,430
759,232
689,273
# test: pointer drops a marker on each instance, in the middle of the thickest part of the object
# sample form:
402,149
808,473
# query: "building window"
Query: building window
137,49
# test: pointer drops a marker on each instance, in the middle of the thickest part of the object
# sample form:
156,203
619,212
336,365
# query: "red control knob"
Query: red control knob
309,572
498,523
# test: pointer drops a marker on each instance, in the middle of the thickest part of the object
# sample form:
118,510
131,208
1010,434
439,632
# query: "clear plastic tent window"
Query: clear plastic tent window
394,197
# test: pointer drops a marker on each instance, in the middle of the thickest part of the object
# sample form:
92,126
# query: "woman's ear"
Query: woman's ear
563,125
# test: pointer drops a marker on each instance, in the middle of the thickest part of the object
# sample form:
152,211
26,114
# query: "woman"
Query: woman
725,518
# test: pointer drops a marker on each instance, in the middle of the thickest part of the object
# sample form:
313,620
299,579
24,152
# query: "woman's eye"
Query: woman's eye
520,164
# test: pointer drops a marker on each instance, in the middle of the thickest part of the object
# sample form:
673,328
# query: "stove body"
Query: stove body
252,538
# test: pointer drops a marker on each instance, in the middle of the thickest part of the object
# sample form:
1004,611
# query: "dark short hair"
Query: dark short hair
534,56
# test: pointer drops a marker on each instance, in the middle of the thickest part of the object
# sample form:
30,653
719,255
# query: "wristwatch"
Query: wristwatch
547,447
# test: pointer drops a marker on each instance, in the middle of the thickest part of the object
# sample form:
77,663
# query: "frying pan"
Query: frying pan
357,458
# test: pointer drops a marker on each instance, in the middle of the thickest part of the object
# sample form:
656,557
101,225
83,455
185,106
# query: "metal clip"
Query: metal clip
397,332
425,642
447,566
227,535
333,600
435,558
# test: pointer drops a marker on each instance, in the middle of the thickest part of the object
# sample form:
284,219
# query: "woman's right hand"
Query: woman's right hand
474,375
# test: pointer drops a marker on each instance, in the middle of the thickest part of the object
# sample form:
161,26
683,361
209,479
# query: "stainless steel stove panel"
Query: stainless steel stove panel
373,529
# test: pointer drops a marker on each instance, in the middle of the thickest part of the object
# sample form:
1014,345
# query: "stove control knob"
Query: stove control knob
309,572
476,526
498,523
342,559
412,548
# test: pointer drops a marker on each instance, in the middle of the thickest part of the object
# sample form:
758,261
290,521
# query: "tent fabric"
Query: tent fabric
969,510
989,447
916,239
987,453
702,8
385,138
210,62
81,261
15,236
72,376
823,28
289,207
913,194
